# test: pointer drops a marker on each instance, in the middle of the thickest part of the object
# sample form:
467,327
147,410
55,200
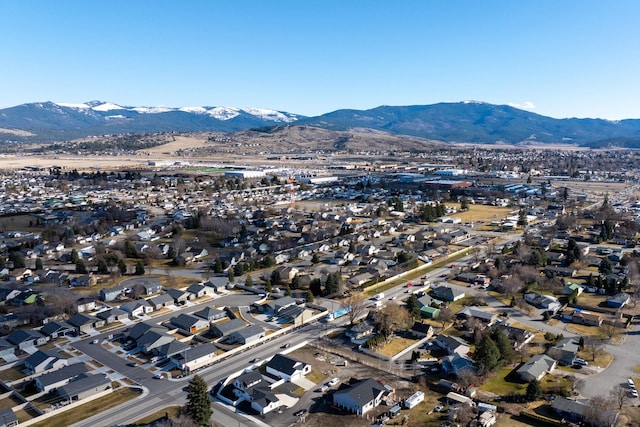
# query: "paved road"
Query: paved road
625,360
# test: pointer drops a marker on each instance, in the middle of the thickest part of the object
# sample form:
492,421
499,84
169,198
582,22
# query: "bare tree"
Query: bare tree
445,316
610,330
358,303
620,395
467,377
594,346
391,318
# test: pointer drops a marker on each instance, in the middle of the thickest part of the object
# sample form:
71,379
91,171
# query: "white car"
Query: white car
333,381
630,383
581,362
634,392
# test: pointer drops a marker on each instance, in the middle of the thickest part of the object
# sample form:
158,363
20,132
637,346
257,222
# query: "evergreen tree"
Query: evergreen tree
413,307
534,392
315,259
310,297
130,250
287,291
81,268
316,287
217,266
231,276
103,268
171,253
122,266
198,406
504,345
487,355
74,256
276,280
38,263
295,282
249,281
139,268
268,287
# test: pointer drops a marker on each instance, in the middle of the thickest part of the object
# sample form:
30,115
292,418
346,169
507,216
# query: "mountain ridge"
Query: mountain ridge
465,122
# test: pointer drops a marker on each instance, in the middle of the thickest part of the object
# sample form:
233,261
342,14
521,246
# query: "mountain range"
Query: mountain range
469,122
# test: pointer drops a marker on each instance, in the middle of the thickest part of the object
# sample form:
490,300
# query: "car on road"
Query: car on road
95,341
158,376
333,381
287,345
132,364
254,360
633,392
392,298
323,388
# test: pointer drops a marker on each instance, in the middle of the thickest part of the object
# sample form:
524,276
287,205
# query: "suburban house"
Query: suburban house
618,300
583,317
153,339
161,301
565,351
111,315
422,330
536,368
278,304
8,418
246,335
111,294
447,293
137,308
287,367
52,380
85,322
26,338
199,290
543,301
456,363
43,360
360,332
227,328
7,350
139,329
211,314
189,323
361,396
452,345
294,314
56,328
195,357
252,388
517,336
179,296
170,349
83,386
577,411
477,313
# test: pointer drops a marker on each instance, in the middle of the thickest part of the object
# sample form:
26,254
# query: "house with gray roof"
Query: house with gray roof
246,335
478,313
137,308
113,314
227,328
7,350
142,328
576,411
153,339
452,345
83,386
57,328
8,418
198,290
278,304
536,368
294,314
360,397
211,314
26,338
565,351
84,322
111,294
287,367
189,323
447,293
52,380
43,360
170,349
161,301
179,296
195,357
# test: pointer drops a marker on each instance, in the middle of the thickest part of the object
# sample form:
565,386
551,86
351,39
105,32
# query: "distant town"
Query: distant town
459,285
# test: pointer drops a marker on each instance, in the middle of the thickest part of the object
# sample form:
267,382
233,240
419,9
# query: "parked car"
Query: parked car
581,362
287,345
333,381
254,360
438,408
633,392
95,341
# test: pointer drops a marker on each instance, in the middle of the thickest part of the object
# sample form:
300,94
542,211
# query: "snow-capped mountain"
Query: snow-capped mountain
220,113
58,121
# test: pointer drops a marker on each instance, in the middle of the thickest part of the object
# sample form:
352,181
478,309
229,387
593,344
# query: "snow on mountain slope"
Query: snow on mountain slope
219,113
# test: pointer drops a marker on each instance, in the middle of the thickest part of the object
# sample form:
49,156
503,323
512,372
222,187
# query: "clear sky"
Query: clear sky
560,58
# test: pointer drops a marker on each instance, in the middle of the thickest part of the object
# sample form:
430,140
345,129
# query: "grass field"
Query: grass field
395,346
481,213
89,409
172,411
315,377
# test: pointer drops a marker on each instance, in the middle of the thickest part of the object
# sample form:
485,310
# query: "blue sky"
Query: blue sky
560,58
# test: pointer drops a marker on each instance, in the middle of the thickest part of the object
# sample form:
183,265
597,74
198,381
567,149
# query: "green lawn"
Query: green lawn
499,385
